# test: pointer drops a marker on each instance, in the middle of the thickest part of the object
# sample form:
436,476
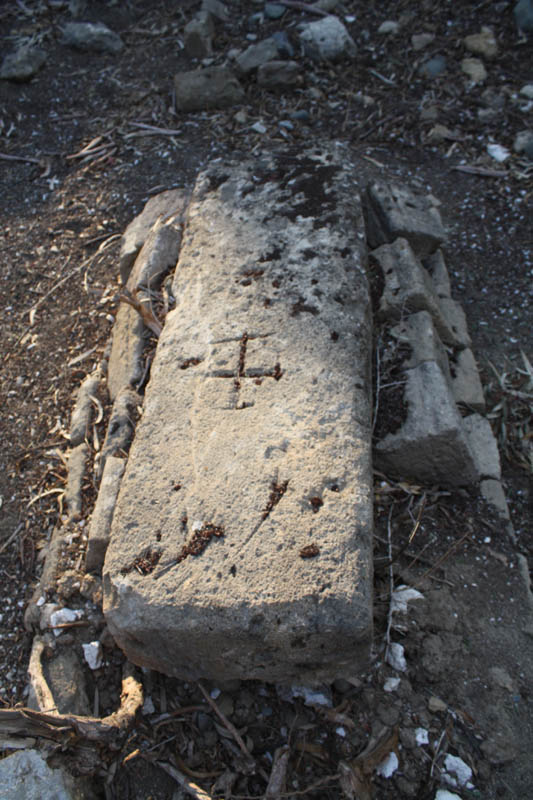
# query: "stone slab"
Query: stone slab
436,267
394,212
125,366
483,446
417,330
100,527
432,446
466,384
242,537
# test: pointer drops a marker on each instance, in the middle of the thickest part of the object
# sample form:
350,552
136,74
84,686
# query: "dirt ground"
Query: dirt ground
469,642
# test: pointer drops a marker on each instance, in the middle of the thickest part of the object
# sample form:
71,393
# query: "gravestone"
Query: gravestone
241,542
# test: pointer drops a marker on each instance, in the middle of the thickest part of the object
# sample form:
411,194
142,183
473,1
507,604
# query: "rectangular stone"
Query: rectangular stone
241,541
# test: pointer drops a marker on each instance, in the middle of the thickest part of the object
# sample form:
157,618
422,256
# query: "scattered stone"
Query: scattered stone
497,152
61,616
100,527
77,458
327,40
198,36
81,414
126,359
418,331
326,5
205,89
436,267
482,44
389,26
523,14
256,55
283,43
436,705
440,133
396,657
466,385
158,255
93,36
121,426
431,446
163,205
66,680
433,68
217,9
421,40
523,143
474,69
23,64
527,91
393,211
282,74
274,10
483,446
500,677
429,113
254,442
25,775
92,652
259,127
493,493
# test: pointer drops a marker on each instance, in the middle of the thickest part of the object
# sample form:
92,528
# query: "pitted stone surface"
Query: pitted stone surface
242,536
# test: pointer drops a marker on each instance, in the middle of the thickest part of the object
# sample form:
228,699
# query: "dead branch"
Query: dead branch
147,315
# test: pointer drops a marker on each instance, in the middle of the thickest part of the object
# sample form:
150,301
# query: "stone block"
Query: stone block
164,205
198,36
417,330
241,543
205,89
483,446
279,74
432,446
492,491
466,385
394,211
436,267
409,288
125,366
455,319
100,527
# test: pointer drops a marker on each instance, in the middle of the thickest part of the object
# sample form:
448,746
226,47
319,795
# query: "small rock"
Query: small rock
283,74
274,10
497,152
92,652
241,117
440,133
482,44
523,143
301,115
391,684
436,705
458,773
523,14
283,44
388,767
217,9
389,26
256,55
433,67
22,64
258,127
62,616
204,89
527,91
94,36
501,678
421,40
327,40
27,775
396,657
198,36
474,69
429,114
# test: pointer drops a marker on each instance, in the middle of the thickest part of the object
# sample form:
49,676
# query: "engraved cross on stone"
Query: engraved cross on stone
242,371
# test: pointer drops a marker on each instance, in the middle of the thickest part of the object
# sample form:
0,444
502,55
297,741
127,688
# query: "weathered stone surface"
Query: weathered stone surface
436,267
203,89
241,539
81,413
164,205
100,527
474,69
93,36
125,361
394,211
121,426
483,43
431,446
22,64
483,446
283,74
65,677
327,39
158,255
217,9
418,331
409,288
198,36
257,54
493,493
77,458
466,385
26,776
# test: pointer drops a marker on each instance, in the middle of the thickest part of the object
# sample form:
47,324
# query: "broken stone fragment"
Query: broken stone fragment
327,39
417,330
256,55
466,385
431,447
283,74
198,36
204,89
93,36
436,267
23,64
157,256
483,43
483,446
394,211
125,368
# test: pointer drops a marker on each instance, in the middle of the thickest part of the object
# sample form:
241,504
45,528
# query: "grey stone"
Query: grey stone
66,680
125,361
390,26
217,9
23,64
121,426
483,446
454,318
327,40
102,516
466,385
527,91
256,55
255,440
94,36
436,267
77,459
523,14
408,288
433,67
274,10
431,446
81,414
418,331
394,211
284,74
483,43
164,205
523,143
204,89
326,5
26,776
421,40
198,36
492,492
474,69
